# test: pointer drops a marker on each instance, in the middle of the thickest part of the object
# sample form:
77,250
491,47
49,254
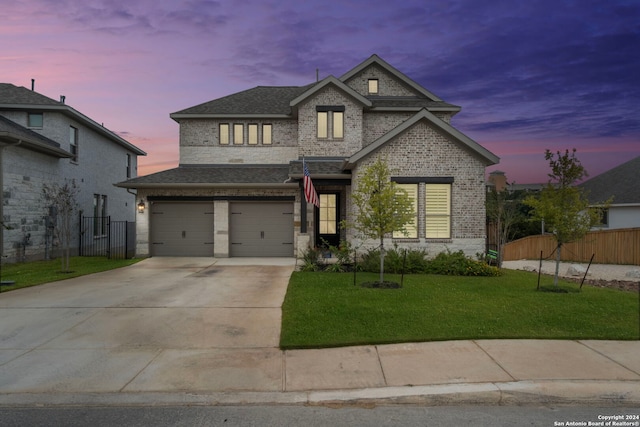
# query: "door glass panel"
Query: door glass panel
327,218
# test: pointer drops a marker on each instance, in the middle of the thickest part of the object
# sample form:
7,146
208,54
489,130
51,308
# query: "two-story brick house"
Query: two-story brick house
47,141
238,188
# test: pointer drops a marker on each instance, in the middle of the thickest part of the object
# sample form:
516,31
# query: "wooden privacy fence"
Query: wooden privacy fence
609,246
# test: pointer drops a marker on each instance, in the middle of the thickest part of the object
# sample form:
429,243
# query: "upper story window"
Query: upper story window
129,165
252,134
373,86
266,134
330,121
238,134
224,133
323,124
73,143
35,120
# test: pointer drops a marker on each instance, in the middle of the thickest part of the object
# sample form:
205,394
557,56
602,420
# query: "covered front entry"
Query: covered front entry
261,229
181,229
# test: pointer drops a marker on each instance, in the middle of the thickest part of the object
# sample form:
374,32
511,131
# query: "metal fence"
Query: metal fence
100,236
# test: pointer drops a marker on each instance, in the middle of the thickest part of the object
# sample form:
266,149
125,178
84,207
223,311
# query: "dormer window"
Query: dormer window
373,86
330,121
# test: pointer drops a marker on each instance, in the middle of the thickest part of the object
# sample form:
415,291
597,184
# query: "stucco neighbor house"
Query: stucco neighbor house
47,141
621,183
238,188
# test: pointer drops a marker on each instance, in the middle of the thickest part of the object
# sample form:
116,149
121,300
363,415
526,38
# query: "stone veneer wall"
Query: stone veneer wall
101,163
422,151
24,174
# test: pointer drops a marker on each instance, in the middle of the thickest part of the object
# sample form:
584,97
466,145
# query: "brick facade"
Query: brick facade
429,148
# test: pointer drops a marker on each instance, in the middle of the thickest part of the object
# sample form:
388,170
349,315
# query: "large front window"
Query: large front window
438,211
411,229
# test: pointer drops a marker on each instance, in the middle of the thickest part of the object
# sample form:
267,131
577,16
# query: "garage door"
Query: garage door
182,229
261,229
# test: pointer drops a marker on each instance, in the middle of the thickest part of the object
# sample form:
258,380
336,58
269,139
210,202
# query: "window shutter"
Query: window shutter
438,211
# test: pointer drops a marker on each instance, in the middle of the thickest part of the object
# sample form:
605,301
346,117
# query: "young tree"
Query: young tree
503,210
382,207
562,205
63,200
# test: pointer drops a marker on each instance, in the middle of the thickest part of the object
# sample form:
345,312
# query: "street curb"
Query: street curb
519,393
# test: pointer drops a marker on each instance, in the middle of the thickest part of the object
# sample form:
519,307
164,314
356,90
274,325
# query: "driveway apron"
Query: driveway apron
163,324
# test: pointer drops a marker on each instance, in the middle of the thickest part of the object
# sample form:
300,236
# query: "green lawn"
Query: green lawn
39,272
327,310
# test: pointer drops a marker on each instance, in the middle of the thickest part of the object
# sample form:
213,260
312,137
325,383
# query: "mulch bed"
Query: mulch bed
621,285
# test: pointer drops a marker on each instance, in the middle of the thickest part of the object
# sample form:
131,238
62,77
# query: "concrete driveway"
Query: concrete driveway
196,324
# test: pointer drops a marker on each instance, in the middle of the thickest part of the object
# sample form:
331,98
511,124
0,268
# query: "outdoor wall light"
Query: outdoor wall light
141,206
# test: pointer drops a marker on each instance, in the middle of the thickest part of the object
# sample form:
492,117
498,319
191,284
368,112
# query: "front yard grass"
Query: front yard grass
326,310
38,272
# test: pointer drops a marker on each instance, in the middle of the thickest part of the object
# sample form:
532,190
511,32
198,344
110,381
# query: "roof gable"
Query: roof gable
376,60
488,157
330,81
620,182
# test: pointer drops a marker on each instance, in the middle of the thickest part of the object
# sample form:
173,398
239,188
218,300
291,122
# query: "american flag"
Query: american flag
310,194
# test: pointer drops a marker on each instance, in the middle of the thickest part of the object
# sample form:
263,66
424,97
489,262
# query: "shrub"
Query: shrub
311,260
458,264
415,261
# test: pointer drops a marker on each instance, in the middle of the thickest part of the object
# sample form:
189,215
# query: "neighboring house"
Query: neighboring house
621,183
46,141
238,188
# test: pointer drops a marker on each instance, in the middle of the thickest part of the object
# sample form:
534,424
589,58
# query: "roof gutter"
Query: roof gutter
206,185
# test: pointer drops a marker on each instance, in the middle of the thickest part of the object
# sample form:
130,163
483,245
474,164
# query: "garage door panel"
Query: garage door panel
182,229
262,229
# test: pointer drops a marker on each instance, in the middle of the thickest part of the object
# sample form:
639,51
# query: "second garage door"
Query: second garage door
182,229
261,229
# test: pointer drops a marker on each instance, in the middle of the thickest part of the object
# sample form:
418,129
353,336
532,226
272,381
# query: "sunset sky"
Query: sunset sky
529,75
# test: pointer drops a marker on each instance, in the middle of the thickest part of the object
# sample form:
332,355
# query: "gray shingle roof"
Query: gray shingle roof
18,97
259,100
12,133
319,167
11,94
213,174
412,102
9,127
621,182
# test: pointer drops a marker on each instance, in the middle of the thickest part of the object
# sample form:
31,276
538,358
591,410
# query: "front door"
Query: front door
327,220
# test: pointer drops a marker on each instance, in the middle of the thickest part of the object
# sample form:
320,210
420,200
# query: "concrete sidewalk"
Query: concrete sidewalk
203,331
